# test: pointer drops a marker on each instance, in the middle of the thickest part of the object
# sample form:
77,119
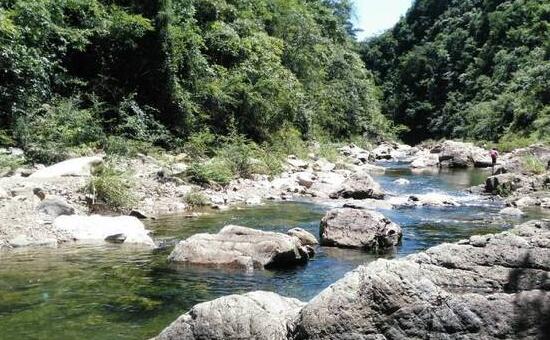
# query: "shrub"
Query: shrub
200,144
215,171
237,152
288,141
512,142
112,188
533,164
9,163
56,131
195,199
329,151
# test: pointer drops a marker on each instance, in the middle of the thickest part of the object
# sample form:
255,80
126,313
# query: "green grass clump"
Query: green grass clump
195,199
213,172
111,187
533,164
9,163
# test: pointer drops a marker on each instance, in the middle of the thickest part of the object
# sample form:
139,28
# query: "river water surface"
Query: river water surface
123,292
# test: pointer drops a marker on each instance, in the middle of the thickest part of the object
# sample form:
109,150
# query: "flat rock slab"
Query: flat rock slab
257,315
241,247
96,228
358,228
82,166
487,287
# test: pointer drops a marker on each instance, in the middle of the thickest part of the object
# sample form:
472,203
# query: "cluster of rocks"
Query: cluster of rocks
493,286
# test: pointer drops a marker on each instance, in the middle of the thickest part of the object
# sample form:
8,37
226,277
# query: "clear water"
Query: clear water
121,292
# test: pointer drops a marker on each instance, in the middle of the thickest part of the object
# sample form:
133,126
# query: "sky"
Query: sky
376,16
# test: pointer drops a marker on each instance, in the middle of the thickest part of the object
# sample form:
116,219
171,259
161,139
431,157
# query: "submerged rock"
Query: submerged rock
511,211
402,181
82,166
116,238
359,186
433,200
491,287
357,228
257,315
241,247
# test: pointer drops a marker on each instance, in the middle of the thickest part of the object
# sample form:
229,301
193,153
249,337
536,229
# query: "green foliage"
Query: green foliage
533,165
213,172
289,141
53,132
9,163
466,69
111,187
163,71
195,199
237,153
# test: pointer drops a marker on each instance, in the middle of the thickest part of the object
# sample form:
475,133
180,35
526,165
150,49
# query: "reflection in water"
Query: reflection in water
108,291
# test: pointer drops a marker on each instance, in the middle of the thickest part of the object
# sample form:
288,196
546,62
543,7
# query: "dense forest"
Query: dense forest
472,69
86,73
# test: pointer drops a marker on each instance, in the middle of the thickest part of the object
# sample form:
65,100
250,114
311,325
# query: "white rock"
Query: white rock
425,159
73,167
527,202
402,181
511,211
297,163
253,201
3,194
96,228
323,165
433,199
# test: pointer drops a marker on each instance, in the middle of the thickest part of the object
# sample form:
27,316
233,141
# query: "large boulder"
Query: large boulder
82,166
383,151
359,186
241,247
487,287
425,159
504,184
257,315
326,184
461,155
358,228
96,228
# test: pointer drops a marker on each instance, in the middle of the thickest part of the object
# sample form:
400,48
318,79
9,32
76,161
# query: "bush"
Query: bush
533,164
237,152
288,141
512,142
215,171
195,199
9,163
112,188
57,131
200,144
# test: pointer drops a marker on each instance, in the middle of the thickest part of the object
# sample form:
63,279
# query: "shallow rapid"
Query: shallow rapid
109,291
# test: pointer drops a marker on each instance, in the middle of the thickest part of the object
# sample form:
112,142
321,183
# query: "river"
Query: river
124,292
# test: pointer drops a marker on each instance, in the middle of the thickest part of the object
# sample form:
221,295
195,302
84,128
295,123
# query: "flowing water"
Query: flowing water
123,292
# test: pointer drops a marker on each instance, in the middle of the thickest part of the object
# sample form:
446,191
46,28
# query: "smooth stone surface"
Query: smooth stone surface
511,211
402,181
358,228
82,166
257,315
241,247
96,228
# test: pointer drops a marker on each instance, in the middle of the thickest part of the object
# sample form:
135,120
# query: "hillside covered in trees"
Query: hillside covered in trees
473,69
83,73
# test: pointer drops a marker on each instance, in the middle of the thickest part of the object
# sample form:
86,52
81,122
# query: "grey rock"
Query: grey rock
511,211
241,247
55,206
116,238
507,183
304,236
495,288
359,186
355,228
257,315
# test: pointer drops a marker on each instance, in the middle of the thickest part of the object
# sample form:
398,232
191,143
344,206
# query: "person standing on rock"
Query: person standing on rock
494,155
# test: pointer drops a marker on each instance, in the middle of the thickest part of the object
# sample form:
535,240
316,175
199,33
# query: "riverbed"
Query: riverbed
124,292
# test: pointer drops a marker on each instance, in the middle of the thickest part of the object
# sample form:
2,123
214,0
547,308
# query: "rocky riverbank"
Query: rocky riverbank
27,218
489,286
